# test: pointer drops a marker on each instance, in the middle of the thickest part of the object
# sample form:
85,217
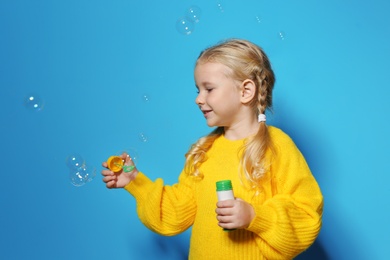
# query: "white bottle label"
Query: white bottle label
225,195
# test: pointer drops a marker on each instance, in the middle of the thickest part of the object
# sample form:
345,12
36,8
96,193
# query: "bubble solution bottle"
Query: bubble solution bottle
225,192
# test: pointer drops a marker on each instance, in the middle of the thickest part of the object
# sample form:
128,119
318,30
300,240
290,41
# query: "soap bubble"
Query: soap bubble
79,177
133,154
76,178
184,26
75,161
146,98
89,173
258,19
193,13
282,35
79,172
143,137
220,7
33,102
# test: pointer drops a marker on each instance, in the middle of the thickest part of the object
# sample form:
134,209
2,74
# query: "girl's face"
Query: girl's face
218,94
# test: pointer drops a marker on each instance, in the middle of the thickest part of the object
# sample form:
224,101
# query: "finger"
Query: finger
227,226
111,184
225,204
224,219
107,173
108,179
104,164
124,155
224,211
128,160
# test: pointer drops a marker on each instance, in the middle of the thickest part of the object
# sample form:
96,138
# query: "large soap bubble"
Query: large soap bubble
79,172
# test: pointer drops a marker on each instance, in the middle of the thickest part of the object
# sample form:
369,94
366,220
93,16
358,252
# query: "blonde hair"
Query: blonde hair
246,61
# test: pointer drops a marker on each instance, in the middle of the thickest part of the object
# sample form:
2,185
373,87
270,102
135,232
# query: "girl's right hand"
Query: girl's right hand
119,179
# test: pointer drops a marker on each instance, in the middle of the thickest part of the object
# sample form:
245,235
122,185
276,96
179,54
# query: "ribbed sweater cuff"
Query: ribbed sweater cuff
264,220
139,186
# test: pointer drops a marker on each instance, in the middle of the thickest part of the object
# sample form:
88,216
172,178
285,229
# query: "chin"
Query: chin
211,124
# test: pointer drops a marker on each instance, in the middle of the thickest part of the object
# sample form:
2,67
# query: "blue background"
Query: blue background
118,75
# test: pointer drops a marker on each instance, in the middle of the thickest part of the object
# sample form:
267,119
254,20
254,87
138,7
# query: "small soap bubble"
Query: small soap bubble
282,35
143,137
75,161
184,26
33,102
193,14
258,19
146,98
220,6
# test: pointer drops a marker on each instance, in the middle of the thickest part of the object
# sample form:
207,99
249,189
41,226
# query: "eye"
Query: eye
209,89
197,89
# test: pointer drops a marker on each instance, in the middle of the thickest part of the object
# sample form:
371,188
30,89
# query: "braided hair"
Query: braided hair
246,61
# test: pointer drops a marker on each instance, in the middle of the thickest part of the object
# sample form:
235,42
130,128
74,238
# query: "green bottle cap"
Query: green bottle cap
224,185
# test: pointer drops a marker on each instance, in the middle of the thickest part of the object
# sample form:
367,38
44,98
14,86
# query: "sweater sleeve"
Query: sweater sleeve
167,210
288,222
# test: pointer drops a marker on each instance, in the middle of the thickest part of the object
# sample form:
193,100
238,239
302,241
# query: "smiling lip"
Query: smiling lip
206,112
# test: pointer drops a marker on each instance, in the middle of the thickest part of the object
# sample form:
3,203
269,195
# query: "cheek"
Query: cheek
213,99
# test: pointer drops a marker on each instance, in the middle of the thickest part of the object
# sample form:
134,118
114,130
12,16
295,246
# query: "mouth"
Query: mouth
206,112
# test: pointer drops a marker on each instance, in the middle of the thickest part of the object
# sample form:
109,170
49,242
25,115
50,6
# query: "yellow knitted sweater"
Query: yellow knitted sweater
288,207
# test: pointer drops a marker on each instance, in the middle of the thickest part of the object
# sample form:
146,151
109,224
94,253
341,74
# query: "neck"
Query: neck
241,130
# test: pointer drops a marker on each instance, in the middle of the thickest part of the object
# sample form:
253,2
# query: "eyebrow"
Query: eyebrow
205,83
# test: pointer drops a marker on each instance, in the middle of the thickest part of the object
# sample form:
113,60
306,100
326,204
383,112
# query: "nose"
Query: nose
199,100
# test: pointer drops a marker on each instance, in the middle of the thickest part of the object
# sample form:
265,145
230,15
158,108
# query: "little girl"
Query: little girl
278,207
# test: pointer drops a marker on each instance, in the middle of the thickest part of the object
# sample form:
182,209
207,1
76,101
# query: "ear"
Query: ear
248,91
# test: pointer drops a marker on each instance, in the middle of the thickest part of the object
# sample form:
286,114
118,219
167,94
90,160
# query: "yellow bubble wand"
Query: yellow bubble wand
116,164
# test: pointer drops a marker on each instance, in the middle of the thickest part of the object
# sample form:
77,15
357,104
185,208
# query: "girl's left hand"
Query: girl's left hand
122,178
234,214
